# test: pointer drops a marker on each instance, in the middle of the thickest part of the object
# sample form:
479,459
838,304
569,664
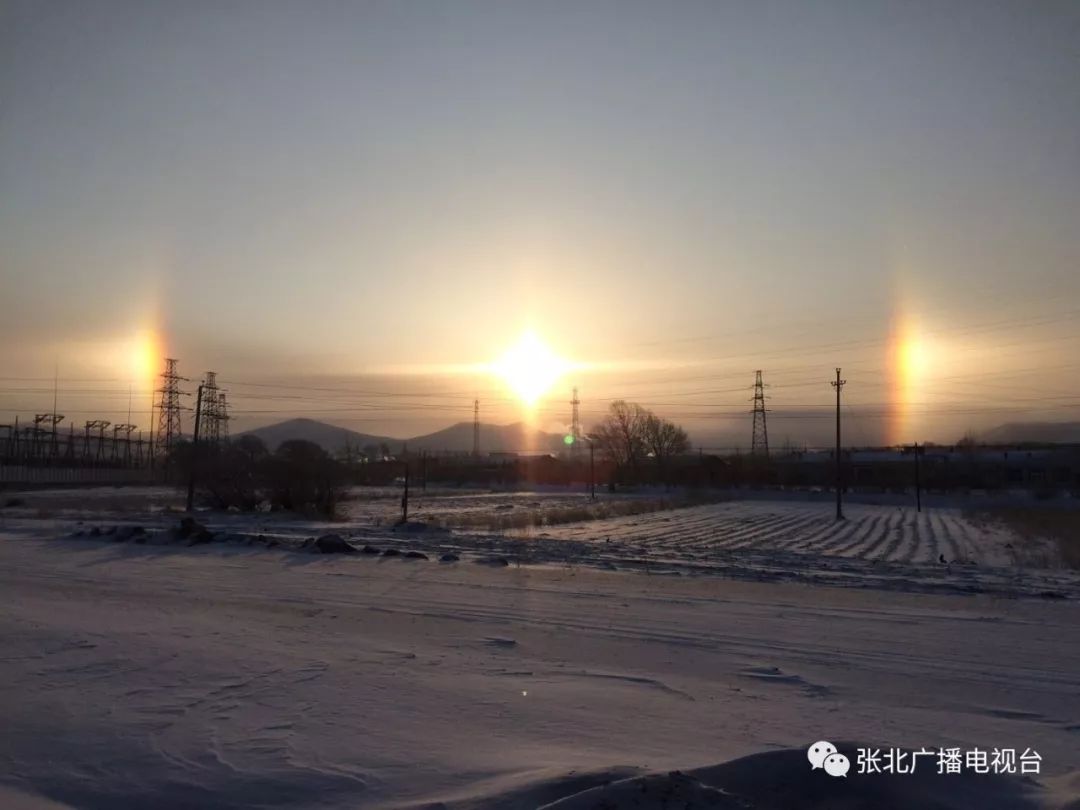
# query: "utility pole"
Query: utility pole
918,483
194,452
592,470
405,497
476,429
839,384
759,440
423,470
150,437
56,386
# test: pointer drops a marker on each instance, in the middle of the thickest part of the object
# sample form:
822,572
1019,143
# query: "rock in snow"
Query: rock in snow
194,532
333,544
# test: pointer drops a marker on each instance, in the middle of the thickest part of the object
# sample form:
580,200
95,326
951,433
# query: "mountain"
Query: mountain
330,437
493,438
1035,432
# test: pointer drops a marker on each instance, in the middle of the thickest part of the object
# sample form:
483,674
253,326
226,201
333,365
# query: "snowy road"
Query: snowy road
137,676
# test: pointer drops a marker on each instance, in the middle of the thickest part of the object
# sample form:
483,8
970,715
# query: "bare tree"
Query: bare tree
664,439
630,432
621,435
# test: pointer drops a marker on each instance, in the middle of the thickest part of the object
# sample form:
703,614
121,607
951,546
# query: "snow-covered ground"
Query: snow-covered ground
232,675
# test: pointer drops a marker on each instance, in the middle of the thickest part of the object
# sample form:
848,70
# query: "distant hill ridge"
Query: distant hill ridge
516,437
1035,432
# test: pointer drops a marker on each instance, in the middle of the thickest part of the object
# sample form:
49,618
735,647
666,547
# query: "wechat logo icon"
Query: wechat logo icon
823,754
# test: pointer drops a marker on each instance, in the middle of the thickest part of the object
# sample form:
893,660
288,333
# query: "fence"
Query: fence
24,474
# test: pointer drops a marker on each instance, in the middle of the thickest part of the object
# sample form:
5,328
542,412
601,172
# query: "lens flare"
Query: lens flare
529,368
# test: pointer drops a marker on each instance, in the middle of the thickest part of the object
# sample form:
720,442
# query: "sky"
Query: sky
350,210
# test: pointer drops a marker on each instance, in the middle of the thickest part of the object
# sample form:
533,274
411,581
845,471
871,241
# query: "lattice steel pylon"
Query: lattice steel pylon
210,422
99,425
759,441
46,437
169,428
223,417
122,439
575,424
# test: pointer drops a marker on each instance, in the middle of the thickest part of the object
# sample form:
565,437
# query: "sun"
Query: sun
529,368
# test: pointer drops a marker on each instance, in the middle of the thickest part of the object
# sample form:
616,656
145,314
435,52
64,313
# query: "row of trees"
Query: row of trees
301,476
243,474
630,434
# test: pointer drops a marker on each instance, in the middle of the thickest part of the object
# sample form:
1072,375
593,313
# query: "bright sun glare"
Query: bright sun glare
529,368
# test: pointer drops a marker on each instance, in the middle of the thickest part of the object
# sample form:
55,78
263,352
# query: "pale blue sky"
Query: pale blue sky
287,188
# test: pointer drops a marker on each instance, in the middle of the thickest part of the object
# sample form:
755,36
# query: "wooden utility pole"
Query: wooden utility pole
918,483
405,497
423,470
150,438
592,470
838,385
194,452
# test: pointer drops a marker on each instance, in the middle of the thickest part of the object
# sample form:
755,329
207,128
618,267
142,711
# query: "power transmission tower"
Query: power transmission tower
223,417
210,425
838,385
759,441
169,429
194,451
476,429
575,424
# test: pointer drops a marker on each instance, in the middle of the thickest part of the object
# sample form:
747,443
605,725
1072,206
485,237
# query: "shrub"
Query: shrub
300,476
